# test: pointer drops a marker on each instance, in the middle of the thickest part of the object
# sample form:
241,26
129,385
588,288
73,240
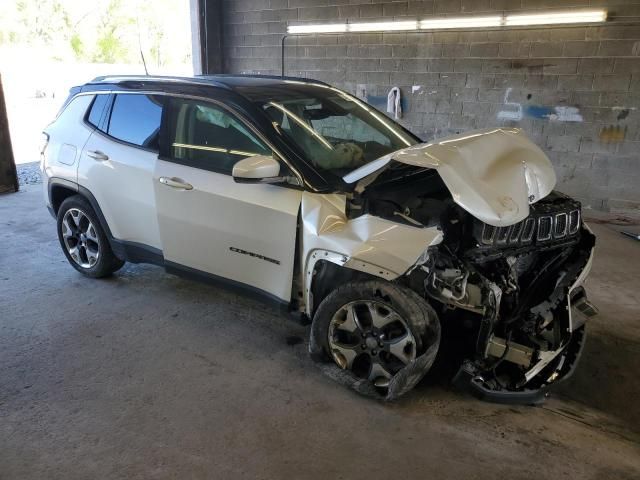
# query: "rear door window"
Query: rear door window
135,119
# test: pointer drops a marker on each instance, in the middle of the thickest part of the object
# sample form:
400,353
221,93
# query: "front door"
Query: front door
243,233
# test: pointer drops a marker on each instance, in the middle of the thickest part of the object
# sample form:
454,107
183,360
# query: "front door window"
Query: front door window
205,136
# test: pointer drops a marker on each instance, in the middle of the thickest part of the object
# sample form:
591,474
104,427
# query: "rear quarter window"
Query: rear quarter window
136,119
75,110
97,109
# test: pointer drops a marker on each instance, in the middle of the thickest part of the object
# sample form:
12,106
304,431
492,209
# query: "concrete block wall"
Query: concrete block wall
575,91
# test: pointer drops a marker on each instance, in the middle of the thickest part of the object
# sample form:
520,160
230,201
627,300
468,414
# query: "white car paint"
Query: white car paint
369,244
231,230
493,174
67,136
257,166
255,233
207,222
123,186
211,226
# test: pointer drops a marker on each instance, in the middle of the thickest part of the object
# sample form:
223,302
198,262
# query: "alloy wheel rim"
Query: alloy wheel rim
372,340
80,238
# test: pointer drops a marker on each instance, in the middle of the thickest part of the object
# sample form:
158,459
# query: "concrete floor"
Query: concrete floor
146,375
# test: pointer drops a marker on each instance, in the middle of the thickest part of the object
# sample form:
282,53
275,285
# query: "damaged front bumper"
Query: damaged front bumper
559,368
540,368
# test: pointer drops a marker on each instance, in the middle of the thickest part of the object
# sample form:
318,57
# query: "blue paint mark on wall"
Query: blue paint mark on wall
539,111
514,111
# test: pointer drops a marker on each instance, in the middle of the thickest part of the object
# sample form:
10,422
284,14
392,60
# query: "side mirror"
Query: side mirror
259,169
256,168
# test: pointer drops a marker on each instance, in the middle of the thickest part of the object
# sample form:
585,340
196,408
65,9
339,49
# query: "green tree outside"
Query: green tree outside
104,31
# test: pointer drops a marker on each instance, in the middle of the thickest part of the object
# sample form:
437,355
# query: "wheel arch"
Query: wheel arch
327,270
61,189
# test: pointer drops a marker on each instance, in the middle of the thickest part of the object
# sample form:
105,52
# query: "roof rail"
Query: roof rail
221,76
145,78
209,79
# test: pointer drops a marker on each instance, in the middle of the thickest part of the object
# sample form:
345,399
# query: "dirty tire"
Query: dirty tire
419,316
106,263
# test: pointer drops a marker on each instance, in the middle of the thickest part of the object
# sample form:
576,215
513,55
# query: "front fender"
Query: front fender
370,244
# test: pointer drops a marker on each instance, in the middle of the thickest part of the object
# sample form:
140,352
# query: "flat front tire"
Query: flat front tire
374,329
83,240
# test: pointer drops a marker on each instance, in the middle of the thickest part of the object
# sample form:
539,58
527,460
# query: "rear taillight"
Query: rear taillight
44,141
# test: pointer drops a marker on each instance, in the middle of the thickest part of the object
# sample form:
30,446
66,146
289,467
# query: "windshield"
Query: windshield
335,131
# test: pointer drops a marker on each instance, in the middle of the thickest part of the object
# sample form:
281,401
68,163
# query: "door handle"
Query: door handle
97,155
175,183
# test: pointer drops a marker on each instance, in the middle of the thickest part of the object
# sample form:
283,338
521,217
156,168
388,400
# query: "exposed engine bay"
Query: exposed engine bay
504,294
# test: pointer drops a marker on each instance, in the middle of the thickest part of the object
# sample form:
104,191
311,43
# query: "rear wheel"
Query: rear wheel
375,329
83,241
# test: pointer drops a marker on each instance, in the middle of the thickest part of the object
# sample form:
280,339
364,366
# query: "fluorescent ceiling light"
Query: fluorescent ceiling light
325,28
548,18
577,16
381,26
354,27
461,22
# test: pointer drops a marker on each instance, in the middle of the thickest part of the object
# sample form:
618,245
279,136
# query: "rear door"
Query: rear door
209,224
117,166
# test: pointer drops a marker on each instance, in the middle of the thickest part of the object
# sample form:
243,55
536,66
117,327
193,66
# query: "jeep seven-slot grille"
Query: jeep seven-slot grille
541,228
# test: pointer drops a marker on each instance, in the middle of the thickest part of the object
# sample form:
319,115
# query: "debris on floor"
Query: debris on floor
29,173
632,235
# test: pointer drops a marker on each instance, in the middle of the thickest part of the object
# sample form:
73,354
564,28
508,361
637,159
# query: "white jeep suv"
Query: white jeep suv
398,252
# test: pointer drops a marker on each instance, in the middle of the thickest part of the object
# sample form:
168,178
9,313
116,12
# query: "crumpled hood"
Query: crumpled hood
494,174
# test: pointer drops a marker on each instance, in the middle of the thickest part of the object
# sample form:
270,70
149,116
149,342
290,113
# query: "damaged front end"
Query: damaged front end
506,279
520,289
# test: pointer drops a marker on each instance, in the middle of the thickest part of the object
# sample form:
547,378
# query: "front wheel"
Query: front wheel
375,329
83,241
